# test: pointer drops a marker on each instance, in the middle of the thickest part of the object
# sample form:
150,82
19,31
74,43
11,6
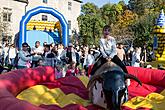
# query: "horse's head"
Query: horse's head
114,87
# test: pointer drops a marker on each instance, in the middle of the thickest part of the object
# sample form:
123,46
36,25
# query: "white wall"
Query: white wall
70,14
17,11
32,4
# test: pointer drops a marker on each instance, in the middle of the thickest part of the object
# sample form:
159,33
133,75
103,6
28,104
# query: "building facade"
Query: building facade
12,11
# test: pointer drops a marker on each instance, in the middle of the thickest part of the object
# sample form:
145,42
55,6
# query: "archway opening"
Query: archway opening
38,10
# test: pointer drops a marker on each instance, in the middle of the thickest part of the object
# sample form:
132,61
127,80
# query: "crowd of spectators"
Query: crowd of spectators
68,61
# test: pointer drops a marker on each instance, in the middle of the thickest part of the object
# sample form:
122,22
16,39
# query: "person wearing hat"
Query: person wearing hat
70,45
24,57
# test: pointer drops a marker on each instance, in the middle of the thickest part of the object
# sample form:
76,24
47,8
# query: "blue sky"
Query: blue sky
102,2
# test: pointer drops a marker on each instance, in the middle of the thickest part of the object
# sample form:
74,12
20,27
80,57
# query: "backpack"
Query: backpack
16,60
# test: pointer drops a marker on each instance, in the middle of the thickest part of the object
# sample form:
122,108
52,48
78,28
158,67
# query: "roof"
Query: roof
78,1
24,1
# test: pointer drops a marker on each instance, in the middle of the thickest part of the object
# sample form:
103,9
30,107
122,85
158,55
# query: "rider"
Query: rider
108,50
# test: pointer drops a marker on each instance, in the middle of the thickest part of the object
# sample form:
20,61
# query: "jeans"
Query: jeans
12,61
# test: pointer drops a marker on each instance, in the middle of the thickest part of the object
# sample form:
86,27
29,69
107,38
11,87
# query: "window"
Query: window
7,9
4,16
45,1
7,12
7,16
44,17
69,5
69,24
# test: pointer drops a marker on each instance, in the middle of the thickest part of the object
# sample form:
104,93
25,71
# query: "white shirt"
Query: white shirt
23,59
37,50
108,48
12,52
59,53
135,58
89,60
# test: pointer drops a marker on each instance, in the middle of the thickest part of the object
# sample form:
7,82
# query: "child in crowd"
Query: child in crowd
83,72
72,69
40,62
58,72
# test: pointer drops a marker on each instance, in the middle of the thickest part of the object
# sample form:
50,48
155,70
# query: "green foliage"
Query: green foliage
90,24
134,21
89,8
143,27
139,6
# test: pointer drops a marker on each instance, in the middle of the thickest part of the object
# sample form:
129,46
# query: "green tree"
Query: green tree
159,4
147,11
90,24
89,8
134,21
108,13
143,29
121,29
119,17
139,6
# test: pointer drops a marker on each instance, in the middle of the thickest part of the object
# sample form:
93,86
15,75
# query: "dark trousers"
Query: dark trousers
103,60
34,64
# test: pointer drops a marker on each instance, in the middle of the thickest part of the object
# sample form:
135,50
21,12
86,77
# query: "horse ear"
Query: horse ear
130,76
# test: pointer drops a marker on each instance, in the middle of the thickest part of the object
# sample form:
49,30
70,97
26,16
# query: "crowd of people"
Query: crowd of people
75,59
